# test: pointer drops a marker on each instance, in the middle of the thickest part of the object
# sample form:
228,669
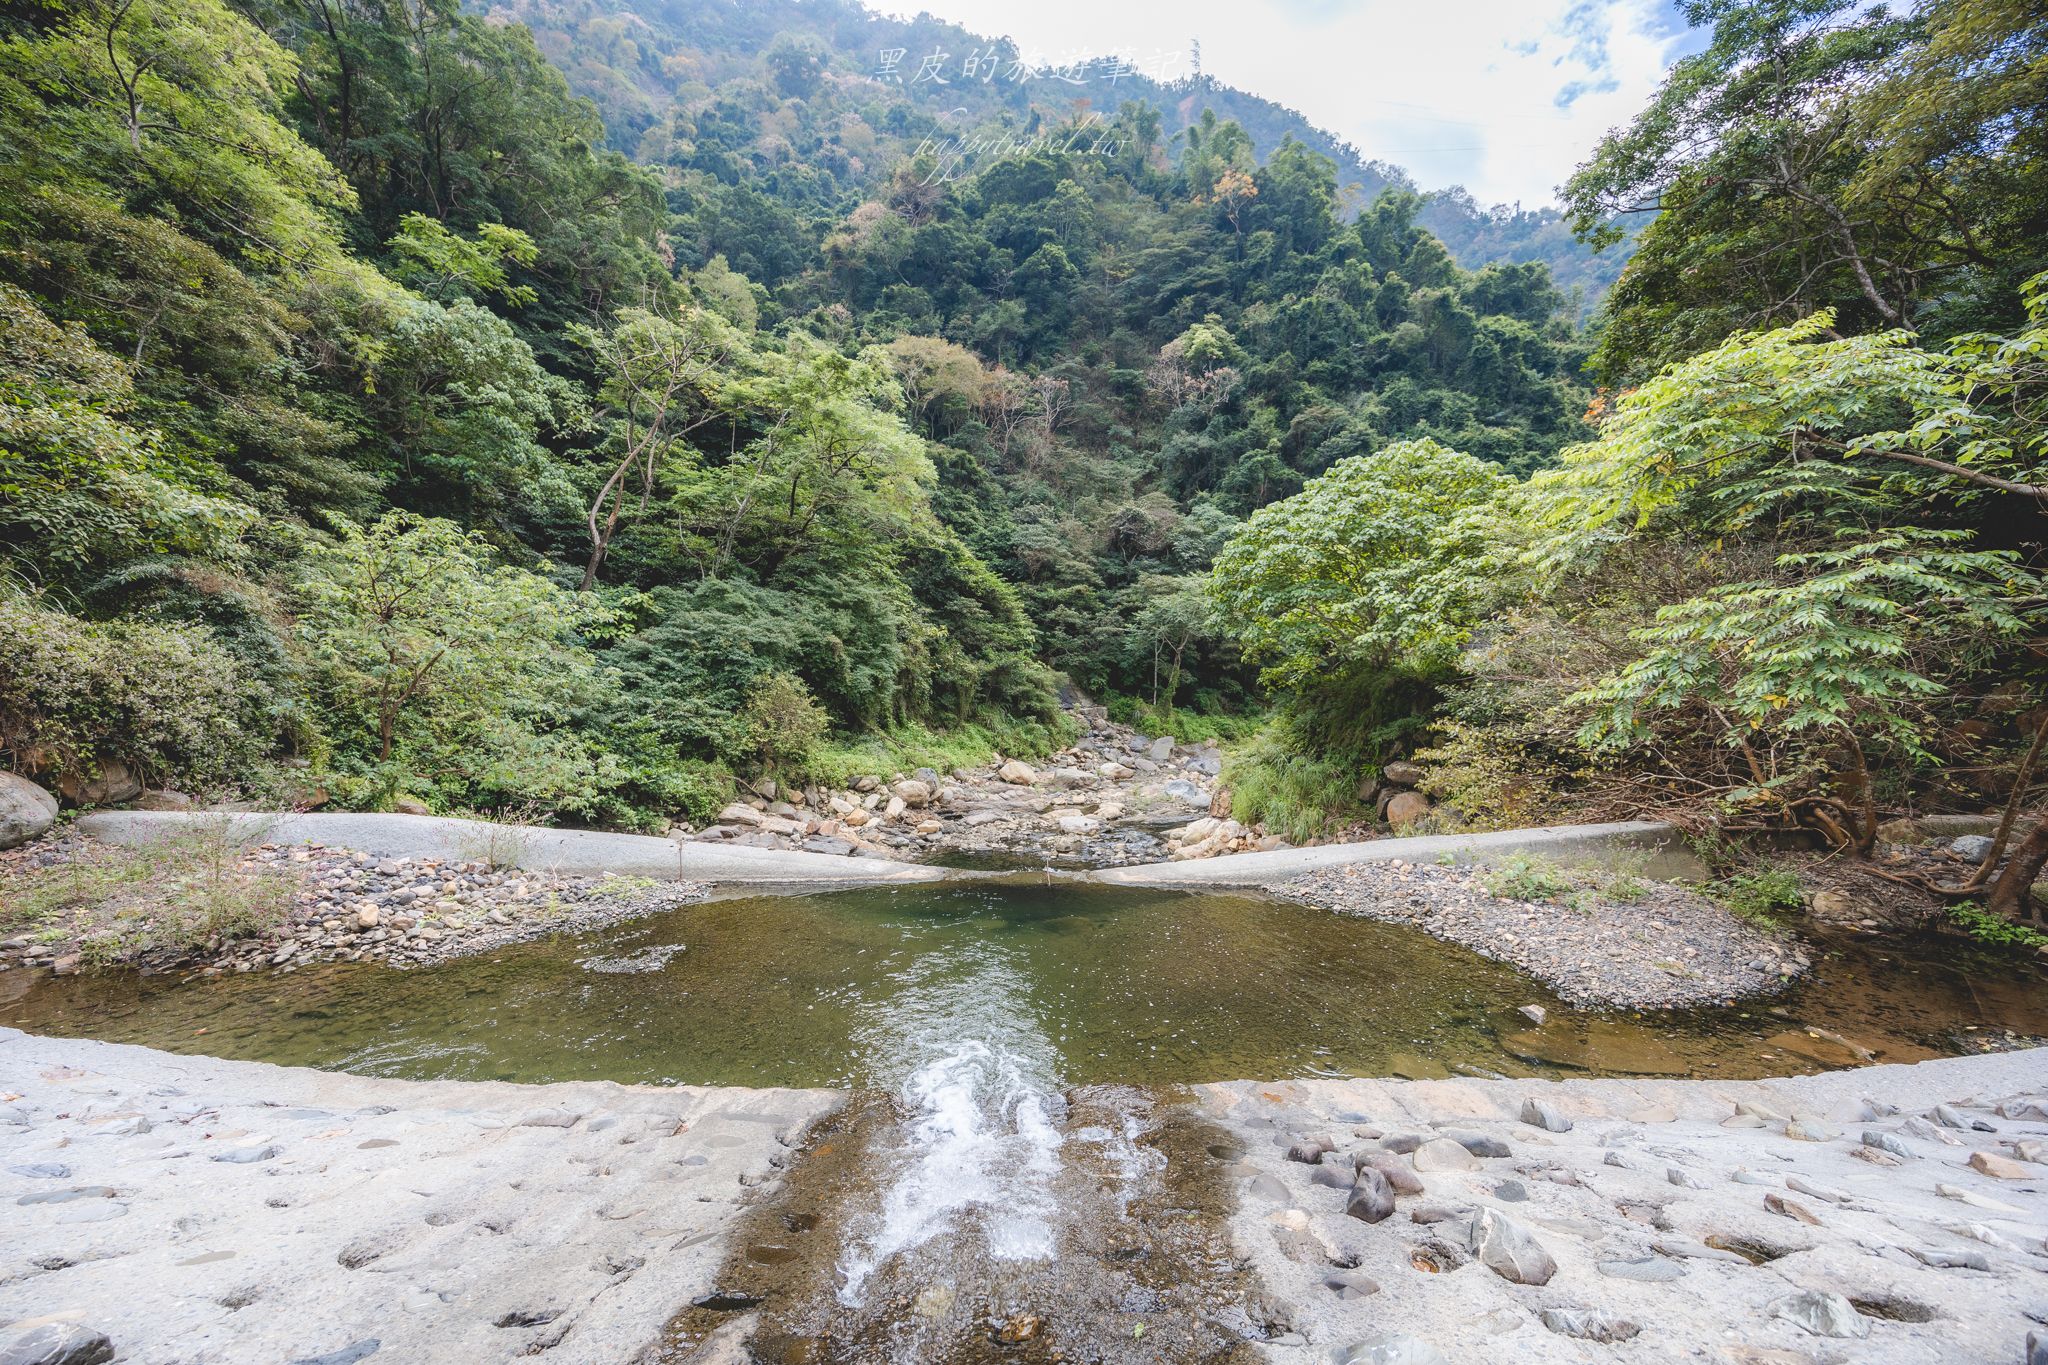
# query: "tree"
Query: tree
1840,652
1380,560
1823,154
424,649
661,377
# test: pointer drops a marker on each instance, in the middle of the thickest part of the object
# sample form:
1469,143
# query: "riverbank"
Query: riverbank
1889,1214
190,1208
214,906
1599,941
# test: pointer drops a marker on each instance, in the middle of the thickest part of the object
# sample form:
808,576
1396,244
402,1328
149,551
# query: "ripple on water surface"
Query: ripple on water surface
1064,982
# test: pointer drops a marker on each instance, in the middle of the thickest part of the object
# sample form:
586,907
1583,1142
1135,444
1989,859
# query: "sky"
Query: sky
1503,97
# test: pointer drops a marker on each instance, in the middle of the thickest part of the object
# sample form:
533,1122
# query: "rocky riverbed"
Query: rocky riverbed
1891,1214
310,903
1646,945
1112,797
184,1208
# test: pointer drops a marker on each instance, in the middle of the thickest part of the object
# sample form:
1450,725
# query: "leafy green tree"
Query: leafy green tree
662,375
1380,560
430,660
1823,154
1835,652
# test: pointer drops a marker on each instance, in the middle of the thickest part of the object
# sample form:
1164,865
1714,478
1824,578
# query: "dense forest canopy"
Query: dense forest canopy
564,409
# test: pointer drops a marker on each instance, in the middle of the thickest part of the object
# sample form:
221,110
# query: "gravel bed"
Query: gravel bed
351,906
1667,947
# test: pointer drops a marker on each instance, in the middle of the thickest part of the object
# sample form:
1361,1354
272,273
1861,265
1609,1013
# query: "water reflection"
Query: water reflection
1086,984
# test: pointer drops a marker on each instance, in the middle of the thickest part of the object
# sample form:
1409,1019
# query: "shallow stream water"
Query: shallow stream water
1060,982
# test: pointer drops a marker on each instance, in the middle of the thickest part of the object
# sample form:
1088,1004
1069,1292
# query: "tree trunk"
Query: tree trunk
2010,894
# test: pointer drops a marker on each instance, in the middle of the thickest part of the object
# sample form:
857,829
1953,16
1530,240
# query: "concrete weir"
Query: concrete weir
535,849
1580,845
596,852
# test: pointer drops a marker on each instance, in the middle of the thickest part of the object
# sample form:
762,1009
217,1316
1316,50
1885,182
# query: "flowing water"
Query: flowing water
1014,1166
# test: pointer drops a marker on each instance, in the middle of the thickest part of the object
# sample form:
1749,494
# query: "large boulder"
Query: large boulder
110,785
26,811
1402,773
1018,773
1406,809
914,792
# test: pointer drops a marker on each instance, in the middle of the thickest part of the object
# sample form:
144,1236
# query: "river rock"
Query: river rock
1402,773
58,1343
1506,1248
1822,1313
1398,1173
1886,1142
739,813
913,793
1646,1270
1372,1198
1443,1154
1407,808
1998,1167
1482,1145
26,810
1351,1284
1017,773
1973,848
1161,749
1588,1324
1542,1114
1186,792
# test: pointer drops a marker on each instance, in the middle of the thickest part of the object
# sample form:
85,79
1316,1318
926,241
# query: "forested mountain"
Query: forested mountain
637,62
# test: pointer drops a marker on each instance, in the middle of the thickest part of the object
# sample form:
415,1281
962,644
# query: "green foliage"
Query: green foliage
907,748
782,723
163,699
1761,895
1528,879
1378,561
1884,164
188,891
442,265
80,486
1996,930
432,665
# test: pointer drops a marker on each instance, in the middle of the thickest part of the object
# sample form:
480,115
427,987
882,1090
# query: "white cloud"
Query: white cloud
1501,96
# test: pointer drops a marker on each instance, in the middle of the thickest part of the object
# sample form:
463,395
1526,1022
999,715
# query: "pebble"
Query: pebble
1482,1145
1389,1348
1443,1154
1351,1284
1372,1198
58,1343
1791,1208
1648,1270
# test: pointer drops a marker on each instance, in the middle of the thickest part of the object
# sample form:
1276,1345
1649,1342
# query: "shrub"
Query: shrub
1523,878
783,722
1995,930
1762,895
166,700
